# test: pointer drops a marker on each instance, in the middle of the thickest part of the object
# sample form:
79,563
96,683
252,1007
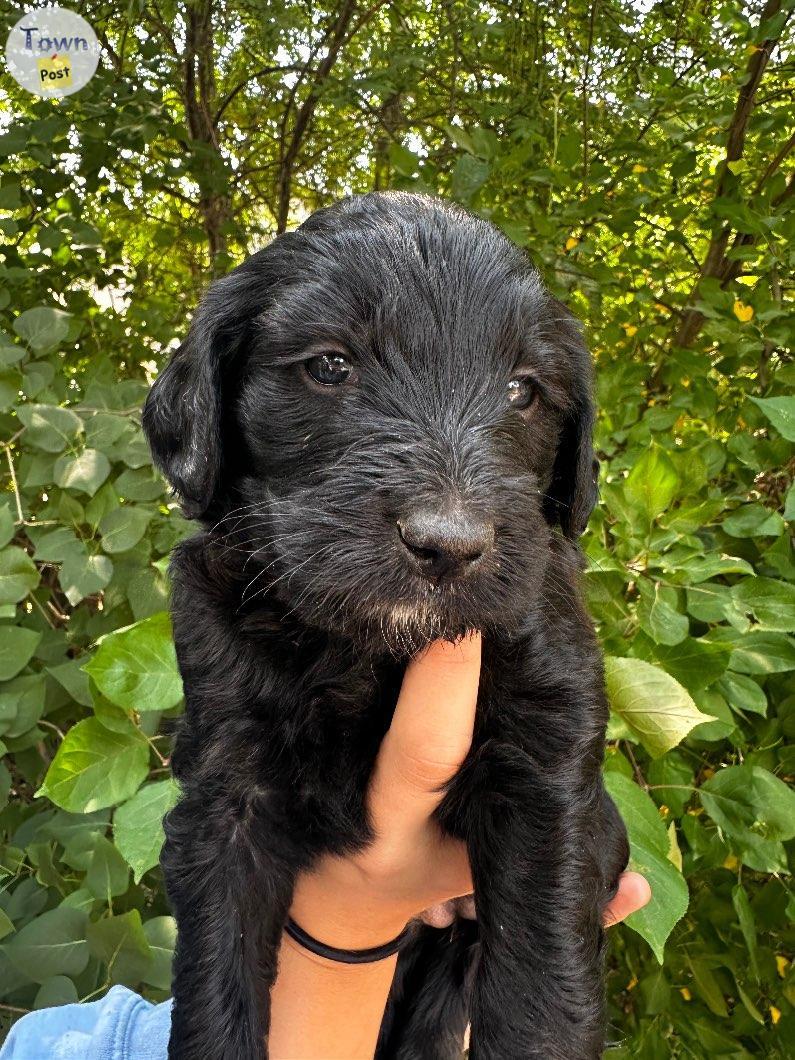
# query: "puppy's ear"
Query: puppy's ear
575,484
184,411
575,480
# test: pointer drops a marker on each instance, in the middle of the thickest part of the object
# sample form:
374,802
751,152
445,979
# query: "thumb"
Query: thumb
430,734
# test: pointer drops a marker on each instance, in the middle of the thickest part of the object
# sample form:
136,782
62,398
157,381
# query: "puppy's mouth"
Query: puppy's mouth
432,574
404,622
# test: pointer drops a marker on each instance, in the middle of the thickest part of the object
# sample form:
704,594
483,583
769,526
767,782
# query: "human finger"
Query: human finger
633,893
430,734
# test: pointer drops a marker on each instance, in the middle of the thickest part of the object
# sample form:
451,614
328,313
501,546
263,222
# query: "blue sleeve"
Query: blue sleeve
121,1026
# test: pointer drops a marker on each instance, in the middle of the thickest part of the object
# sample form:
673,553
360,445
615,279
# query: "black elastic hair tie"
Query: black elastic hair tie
331,953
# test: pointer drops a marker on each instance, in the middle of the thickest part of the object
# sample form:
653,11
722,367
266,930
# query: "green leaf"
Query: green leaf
18,575
750,803
117,719
695,663
141,484
95,767
711,702
6,524
781,413
21,704
80,899
707,987
82,575
138,825
123,528
84,473
103,429
57,990
6,924
50,427
771,602
65,826
753,520
712,602
702,568
54,943
750,1007
651,702
70,675
469,174
56,545
42,327
652,483
404,161
136,667
649,847
10,385
108,874
120,943
672,778
745,918
161,934
658,616
17,645
743,693
760,653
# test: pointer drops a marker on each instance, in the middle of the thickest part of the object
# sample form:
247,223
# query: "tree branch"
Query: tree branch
715,264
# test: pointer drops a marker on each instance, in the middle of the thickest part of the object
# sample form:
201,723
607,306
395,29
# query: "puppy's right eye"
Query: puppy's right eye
329,369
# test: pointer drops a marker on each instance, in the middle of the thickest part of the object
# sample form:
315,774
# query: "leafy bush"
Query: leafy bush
621,149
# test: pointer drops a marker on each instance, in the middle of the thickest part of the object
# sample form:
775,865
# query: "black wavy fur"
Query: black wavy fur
297,607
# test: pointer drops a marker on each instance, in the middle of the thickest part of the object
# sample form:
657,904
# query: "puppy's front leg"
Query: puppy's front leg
537,991
230,887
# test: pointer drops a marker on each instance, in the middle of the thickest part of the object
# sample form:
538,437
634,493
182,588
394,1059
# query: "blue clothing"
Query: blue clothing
121,1026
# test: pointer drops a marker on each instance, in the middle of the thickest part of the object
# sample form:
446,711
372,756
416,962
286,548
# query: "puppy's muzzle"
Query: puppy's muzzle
445,545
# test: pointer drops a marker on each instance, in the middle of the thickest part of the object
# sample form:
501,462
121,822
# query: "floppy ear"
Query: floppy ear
575,479
575,483
184,411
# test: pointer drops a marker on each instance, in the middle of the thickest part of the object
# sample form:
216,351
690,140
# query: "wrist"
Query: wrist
343,918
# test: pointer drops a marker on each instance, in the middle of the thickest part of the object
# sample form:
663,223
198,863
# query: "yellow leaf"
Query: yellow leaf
632,983
781,964
630,330
743,312
775,1014
640,169
731,863
664,810
685,993
571,243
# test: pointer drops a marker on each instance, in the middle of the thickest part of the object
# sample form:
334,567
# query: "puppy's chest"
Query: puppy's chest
357,720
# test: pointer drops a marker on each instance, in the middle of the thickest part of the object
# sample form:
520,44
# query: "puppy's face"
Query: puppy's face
401,416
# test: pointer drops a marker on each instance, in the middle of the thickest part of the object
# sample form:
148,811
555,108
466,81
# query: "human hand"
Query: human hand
633,893
366,899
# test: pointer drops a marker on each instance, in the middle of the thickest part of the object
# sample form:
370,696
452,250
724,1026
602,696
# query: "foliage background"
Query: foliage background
642,154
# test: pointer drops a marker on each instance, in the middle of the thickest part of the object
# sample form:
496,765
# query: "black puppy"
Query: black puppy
384,422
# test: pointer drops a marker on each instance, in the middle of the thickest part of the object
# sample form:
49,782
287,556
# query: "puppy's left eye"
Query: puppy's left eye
522,392
330,369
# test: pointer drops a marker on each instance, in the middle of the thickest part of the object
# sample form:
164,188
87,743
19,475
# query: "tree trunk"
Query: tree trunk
200,98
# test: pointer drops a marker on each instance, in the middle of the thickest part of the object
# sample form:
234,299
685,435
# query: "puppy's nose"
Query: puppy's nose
445,544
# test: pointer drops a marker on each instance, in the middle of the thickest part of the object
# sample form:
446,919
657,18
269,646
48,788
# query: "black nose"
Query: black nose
445,544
